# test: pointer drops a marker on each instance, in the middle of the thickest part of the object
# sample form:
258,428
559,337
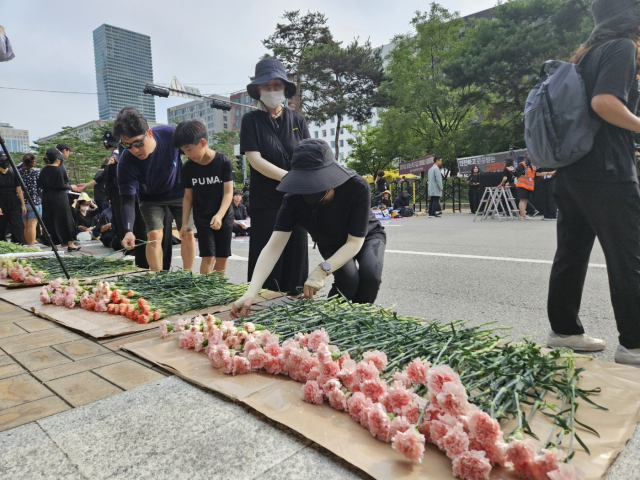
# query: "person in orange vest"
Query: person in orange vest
526,176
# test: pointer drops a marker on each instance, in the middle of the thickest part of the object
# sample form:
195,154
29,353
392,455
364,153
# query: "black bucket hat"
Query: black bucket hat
54,153
614,16
109,139
313,169
268,69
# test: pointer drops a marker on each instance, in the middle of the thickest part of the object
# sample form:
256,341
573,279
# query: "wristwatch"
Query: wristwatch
326,267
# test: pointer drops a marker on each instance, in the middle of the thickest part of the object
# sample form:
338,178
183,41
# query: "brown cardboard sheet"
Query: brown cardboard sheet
279,398
96,324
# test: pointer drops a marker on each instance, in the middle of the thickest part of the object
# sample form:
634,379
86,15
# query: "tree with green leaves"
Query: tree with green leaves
371,151
342,81
291,42
427,113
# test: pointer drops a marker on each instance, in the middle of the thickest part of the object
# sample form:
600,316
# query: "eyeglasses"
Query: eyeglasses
136,144
277,87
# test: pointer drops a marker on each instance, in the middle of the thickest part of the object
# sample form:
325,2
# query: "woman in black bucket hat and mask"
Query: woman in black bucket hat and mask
333,204
268,137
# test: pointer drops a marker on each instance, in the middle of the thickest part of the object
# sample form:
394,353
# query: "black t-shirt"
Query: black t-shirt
8,183
99,192
382,184
385,202
349,213
509,174
239,211
258,134
207,183
400,202
473,179
610,69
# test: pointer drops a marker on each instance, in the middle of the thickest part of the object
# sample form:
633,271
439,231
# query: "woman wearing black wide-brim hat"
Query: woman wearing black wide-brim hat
268,137
333,204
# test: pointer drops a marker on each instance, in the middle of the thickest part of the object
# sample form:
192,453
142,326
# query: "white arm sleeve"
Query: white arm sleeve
266,168
266,261
337,260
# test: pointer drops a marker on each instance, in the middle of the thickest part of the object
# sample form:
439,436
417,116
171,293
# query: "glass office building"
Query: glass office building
123,67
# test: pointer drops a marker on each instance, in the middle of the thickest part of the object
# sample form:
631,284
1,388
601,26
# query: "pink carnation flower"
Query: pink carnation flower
163,328
357,406
258,358
399,396
187,339
217,355
496,452
312,393
439,428
345,356
348,375
547,462
61,300
316,338
417,371
398,425
471,465
366,371
241,366
215,338
329,370
45,298
228,364
483,428
452,399
438,376
401,378
337,399
32,280
249,327
455,442
275,365
180,325
3,273
410,444
379,422
521,453
374,389
267,337
379,359
306,366
566,472
197,341
84,300
288,346
273,349
411,411
314,374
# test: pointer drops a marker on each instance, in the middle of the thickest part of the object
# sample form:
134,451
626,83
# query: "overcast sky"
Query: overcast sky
199,41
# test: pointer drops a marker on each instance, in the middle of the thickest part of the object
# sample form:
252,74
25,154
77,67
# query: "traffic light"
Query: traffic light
219,105
155,91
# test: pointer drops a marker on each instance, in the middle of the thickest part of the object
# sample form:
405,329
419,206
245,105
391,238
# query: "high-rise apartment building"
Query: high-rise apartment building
215,120
123,67
17,140
242,104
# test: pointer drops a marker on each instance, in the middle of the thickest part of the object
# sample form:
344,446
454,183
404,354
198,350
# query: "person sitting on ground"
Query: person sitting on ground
207,179
401,201
385,201
239,213
85,213
333,204
104,230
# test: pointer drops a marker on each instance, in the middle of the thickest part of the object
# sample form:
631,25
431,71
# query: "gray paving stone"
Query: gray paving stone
27,452
627,465
156,423
313,462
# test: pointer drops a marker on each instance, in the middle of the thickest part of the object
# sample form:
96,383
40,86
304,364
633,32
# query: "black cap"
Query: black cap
614,16
405,193
54,154
109,139
268,69
313,169
63,146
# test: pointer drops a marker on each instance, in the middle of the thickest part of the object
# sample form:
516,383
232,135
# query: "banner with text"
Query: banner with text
416,166
493,162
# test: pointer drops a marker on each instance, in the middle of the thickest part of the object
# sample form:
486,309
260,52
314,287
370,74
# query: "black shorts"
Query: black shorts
523,193
215,243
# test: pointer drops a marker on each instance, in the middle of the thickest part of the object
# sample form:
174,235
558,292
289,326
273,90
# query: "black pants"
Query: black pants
610,212
239,231
434,205
549,207
12,217
474,198
360,283
292,268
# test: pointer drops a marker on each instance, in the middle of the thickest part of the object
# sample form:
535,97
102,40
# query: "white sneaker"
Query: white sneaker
627,357
582,342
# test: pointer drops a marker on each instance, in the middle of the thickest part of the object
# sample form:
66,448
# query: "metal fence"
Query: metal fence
419,196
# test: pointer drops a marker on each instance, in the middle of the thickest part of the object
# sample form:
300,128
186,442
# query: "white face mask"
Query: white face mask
272,99
84,209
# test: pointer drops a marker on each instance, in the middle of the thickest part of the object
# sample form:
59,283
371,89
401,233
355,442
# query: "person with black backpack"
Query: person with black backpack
598,196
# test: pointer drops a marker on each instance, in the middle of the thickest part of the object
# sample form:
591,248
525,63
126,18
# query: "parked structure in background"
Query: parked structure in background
215,120
123,68
84,131
17,139
240,100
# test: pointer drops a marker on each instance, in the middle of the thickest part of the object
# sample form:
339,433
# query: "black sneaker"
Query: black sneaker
535,213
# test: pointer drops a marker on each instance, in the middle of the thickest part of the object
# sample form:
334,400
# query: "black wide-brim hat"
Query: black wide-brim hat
313,169
614,16
268,69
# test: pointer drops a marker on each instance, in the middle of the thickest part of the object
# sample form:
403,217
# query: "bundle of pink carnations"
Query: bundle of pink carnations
19,272
388,407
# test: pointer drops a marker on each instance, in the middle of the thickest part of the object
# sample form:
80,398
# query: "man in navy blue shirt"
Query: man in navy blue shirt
150,168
